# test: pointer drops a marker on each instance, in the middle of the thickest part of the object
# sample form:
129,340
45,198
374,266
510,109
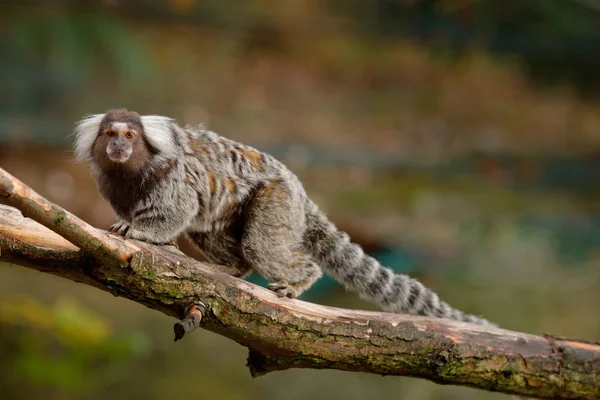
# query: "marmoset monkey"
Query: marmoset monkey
241,207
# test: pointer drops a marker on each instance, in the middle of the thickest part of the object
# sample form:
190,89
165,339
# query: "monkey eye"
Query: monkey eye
110,133
129,135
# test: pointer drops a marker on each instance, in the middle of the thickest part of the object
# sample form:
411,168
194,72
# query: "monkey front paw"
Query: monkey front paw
121,228
283,289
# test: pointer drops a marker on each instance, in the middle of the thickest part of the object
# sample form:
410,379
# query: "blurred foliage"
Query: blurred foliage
47,54
557,40
60,349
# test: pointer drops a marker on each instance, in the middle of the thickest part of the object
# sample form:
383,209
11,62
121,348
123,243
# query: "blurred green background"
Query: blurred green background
456,140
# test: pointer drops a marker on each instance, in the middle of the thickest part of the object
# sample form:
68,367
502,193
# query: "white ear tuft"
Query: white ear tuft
86,132
160,133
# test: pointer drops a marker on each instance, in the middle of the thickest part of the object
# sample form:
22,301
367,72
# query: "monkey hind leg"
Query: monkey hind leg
300,274
272,238
222,251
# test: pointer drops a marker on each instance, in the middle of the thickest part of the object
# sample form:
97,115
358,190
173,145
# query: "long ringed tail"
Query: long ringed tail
358,272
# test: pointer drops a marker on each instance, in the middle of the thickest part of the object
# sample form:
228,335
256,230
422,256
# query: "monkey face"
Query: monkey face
119,147
120,142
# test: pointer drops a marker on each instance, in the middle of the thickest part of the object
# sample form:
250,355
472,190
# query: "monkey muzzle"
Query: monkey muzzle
119,150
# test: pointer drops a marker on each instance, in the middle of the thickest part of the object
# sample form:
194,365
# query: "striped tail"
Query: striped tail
347,263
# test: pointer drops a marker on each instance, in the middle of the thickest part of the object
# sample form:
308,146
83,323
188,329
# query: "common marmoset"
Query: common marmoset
242,208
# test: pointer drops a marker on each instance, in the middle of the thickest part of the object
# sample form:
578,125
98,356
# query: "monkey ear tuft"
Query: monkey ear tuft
160,132
86,131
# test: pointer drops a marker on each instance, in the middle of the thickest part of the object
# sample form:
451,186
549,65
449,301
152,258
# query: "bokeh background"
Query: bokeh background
456,140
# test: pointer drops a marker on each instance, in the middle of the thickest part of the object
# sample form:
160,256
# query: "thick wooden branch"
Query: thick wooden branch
283,333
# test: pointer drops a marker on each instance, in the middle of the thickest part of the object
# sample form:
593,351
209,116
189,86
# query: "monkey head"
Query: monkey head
120,142
123,141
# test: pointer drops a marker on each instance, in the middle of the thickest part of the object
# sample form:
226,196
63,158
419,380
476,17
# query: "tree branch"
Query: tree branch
282,333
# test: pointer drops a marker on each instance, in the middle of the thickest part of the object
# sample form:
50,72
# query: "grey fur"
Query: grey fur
246,210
